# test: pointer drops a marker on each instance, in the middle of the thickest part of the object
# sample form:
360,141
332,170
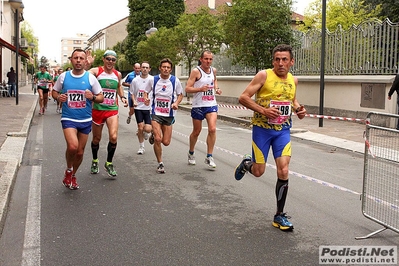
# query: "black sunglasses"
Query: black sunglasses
110,59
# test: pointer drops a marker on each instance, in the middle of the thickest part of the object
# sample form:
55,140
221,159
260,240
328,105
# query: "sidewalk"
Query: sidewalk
16,120
15,124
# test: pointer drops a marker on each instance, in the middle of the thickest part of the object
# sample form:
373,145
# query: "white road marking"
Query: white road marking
31,249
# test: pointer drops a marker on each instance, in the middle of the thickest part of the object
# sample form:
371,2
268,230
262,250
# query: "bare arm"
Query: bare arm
194,76
146,99
252,88
175,105
94,71
132,89
121,92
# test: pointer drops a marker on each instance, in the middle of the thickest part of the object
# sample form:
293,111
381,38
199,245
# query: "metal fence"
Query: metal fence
370,48
380,196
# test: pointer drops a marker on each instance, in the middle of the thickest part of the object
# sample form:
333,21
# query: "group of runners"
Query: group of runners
90,99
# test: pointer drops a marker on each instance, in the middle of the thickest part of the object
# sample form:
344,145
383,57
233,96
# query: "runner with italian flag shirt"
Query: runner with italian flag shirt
107,111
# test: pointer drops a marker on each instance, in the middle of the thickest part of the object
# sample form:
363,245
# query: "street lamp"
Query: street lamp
152,30
18,6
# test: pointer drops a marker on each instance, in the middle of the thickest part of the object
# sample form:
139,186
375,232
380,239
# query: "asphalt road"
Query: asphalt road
188,216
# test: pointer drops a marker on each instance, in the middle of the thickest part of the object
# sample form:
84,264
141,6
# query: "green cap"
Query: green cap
109,52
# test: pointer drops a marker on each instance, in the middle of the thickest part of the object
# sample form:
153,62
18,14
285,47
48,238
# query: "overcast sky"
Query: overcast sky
51,20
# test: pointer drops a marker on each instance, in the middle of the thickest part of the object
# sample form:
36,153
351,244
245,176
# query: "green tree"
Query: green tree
197,32
389,8
339,12
98,57
28,34
153,49
254,27
186,41
164,13
122,64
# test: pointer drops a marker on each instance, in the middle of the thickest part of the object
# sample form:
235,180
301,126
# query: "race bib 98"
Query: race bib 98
285,110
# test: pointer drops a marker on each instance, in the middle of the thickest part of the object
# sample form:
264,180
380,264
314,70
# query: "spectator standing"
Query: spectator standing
11,82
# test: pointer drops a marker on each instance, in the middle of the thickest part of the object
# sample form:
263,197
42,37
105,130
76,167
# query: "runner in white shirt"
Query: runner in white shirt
203,83
164,92
141,111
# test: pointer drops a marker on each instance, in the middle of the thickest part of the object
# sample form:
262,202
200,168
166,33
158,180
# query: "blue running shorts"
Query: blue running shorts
263,139
199,113
82,127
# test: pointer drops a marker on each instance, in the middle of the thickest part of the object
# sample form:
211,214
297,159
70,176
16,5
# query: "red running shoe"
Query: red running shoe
74,185
67,182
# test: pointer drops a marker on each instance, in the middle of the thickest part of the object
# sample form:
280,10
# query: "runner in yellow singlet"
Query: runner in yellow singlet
275,91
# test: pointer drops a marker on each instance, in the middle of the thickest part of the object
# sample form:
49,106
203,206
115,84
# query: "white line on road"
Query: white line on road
31,250
309,178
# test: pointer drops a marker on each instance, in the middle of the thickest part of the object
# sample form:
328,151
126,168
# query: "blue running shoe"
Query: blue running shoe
281,221
240,169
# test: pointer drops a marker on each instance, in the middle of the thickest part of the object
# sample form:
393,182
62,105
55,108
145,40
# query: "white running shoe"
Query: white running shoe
210,162
161,169
141,150
191,159
146,135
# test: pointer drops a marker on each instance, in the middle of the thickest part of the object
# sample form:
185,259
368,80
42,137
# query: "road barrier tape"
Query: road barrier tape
336,118
368,144
240,107
233,106
305,177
